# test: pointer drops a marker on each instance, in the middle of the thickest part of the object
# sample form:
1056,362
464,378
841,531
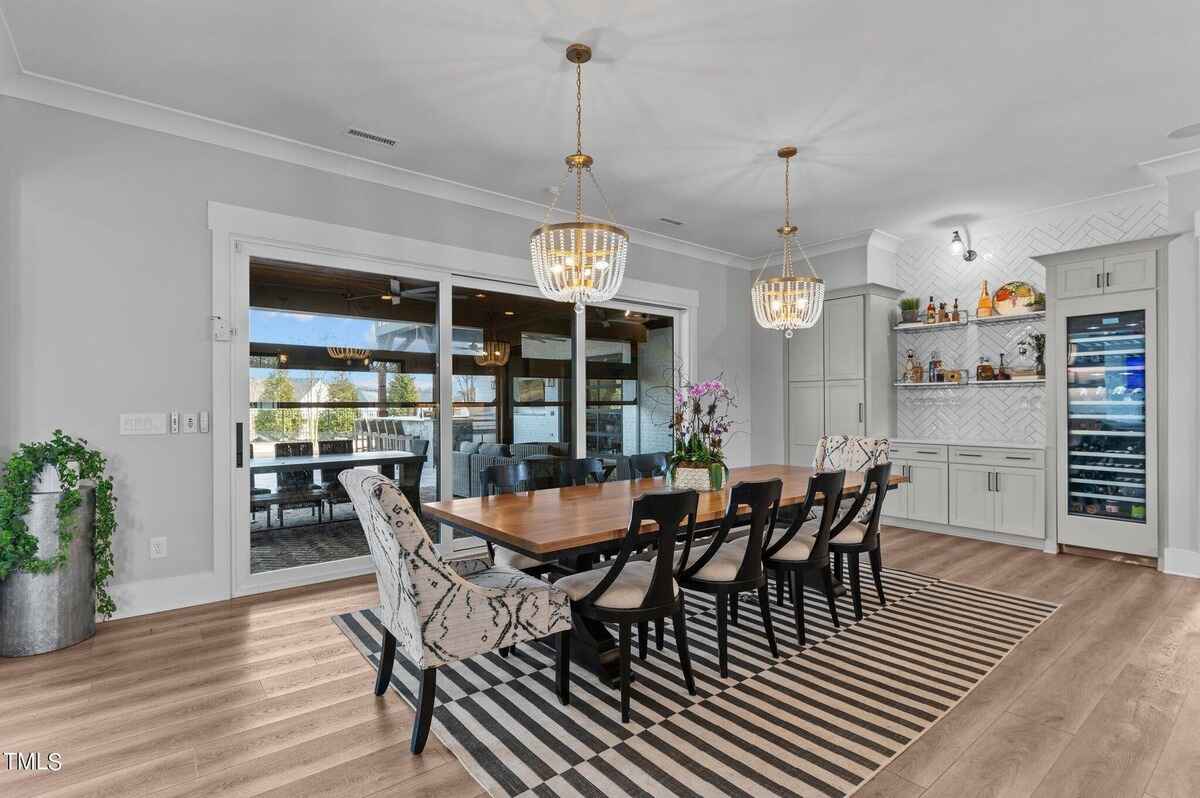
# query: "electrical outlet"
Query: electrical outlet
158,548
189,423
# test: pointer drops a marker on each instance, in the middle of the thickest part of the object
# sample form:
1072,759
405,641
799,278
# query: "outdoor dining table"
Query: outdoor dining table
576,524
331,462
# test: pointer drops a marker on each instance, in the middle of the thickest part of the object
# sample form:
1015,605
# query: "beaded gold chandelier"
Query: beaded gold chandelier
788,302
580,262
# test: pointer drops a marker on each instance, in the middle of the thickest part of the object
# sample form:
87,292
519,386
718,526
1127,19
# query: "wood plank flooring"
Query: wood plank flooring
263,696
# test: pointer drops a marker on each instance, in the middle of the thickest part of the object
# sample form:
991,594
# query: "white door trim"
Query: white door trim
238,233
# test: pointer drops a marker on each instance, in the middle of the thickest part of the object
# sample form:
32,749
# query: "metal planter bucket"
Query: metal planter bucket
46,612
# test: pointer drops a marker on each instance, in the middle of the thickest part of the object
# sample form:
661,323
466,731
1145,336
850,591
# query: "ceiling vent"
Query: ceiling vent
368,136
675,222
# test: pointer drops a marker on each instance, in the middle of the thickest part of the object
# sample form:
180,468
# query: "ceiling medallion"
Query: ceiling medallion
788,302
580,262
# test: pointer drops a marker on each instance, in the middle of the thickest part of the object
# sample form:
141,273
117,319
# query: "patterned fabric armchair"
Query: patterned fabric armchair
852,453
437,611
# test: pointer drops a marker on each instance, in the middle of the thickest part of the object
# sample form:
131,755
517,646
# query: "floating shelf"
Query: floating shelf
920,327
983,384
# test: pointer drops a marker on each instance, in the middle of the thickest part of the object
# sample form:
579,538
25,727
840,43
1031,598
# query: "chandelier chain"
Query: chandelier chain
578,141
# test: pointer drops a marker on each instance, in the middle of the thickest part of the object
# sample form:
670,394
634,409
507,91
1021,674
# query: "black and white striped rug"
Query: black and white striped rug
817,721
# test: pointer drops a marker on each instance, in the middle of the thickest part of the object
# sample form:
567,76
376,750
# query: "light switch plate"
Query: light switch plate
174,422
189,423
204,421
143,424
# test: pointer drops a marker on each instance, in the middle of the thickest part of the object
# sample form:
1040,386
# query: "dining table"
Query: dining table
575,525
332,461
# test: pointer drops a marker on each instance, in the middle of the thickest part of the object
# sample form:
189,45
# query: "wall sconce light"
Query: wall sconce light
956,244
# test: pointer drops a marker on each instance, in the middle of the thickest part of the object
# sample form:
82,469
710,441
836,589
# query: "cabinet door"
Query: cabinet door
1080,279
845,407
896,501
1130,272
806,414
927,491
844,339
806,354
1020,501
971,497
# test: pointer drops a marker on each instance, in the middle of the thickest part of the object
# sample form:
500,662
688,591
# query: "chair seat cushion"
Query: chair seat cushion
797,549
511,559
850,536
626,593
723,567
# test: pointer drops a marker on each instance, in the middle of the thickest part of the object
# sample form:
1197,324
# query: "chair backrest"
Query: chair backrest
763,500
293,480
868,505
654,464
335,446
850,452
579,471
826,487
673,512
504,478
414,582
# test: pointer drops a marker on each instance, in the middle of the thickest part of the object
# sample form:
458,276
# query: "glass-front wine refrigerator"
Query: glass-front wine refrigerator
1107,424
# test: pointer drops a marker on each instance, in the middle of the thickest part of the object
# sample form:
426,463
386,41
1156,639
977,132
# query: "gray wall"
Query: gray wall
107,291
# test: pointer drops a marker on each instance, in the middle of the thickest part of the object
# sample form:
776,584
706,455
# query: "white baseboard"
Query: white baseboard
171,593
1181,562
963,532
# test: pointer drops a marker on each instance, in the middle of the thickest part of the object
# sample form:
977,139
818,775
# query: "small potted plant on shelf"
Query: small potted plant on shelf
699,425
1038,303
909,307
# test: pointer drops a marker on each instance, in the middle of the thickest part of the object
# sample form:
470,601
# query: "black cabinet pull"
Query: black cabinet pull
968,454
922,451
1012,457
238,443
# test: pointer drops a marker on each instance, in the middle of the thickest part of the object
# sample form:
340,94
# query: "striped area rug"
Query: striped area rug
820,720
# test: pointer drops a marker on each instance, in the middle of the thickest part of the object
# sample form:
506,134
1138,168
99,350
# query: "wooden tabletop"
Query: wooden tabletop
558,521
265,465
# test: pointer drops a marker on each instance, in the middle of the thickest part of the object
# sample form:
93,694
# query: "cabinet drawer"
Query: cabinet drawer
917,451
983,455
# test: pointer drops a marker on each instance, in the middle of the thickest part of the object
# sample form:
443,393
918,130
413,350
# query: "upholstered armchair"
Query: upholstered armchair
852,453
436,611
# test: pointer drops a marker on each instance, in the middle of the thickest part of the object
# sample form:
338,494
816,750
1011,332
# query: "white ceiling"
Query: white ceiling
907,114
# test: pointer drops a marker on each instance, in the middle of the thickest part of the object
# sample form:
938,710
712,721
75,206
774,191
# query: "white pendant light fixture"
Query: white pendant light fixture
788,302
580,262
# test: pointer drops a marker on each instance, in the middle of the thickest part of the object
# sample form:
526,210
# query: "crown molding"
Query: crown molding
45,90
10,59
1171,165
872,237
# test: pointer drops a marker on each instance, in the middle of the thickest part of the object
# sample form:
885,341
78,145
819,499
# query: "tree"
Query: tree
401,388
338,422
277,423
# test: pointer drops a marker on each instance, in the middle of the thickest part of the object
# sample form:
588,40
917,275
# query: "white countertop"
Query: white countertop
966,442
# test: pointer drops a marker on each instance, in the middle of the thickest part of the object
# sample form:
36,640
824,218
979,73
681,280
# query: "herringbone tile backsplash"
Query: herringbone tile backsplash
927,267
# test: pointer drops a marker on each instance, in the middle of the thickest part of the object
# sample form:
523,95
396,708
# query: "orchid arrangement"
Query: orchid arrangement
700,422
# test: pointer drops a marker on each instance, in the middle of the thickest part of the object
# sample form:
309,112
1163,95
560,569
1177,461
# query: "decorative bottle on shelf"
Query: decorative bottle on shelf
943,314
930,312
1001,372
984,371
985,307
954,316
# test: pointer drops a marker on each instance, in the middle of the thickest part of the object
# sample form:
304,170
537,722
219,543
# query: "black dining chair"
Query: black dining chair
654,464
724,568
629,592
799,552
510,478
853,535
580,471
333,490
296,487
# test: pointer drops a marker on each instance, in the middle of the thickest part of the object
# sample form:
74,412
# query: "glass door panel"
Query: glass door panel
342,365
1106,416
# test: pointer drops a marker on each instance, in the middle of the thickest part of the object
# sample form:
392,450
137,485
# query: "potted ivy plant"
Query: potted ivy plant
57,517
699,425
909,306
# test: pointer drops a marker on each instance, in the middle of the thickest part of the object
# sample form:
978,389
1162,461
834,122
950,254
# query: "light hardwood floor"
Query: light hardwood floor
265,696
